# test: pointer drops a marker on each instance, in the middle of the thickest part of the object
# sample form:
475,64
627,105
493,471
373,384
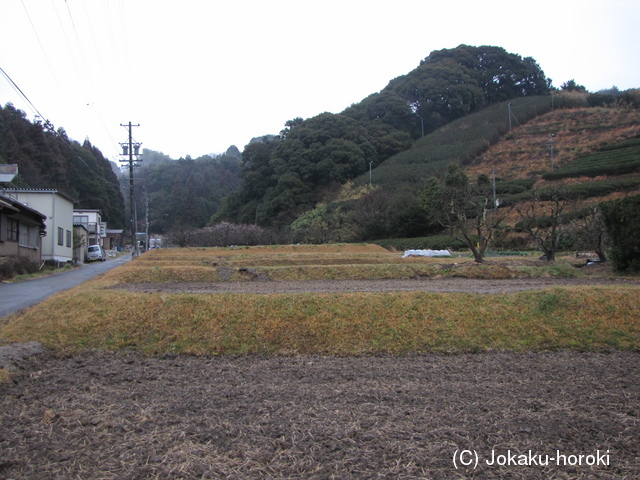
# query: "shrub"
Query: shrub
512,187
16,265
223,234
623,226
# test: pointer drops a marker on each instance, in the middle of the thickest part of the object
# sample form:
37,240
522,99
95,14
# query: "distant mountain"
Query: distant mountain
184,193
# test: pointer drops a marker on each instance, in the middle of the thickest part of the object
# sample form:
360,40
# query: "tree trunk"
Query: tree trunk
549,255
600,249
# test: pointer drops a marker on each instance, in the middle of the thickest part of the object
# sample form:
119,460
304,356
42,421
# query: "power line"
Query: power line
20,92
47,125
81,65
46,57
93,35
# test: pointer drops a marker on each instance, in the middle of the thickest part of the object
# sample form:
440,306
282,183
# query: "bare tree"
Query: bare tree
591,231
180,236
542,217
469,211
225,234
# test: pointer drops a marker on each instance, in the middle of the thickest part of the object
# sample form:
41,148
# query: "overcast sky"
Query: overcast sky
201,75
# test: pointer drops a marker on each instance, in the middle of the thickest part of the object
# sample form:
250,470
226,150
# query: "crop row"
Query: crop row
615,160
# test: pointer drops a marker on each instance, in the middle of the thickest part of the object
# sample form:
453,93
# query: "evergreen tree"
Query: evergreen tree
623,226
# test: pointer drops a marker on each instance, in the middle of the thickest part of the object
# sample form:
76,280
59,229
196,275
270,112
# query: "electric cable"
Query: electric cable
46,57
20,92
47,125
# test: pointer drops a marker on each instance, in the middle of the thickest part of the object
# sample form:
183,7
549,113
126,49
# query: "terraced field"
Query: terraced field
515,369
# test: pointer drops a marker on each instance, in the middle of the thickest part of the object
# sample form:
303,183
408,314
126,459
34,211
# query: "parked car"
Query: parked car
95,253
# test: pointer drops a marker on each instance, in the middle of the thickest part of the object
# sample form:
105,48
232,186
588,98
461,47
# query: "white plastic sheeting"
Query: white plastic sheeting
426,253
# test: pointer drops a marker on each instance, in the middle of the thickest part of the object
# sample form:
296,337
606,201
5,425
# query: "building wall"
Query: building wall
80,252
59,212
12,249
94,225
20,236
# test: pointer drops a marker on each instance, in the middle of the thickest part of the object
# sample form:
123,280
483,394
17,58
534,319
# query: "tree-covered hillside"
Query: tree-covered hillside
47,158
182,193
450,84
593,154
286,177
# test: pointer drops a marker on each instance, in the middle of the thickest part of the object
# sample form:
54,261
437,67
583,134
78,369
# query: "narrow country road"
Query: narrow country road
16,296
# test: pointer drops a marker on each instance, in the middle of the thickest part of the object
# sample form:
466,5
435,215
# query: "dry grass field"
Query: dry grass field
334,300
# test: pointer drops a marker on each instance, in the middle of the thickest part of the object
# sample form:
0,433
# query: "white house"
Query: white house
91,219
57,244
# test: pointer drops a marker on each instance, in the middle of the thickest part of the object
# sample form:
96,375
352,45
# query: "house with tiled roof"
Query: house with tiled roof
57,207
21,229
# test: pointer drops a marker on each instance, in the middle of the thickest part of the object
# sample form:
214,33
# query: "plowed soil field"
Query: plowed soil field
562,415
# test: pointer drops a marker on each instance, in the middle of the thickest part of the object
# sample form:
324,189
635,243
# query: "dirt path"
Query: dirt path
122,416
445,284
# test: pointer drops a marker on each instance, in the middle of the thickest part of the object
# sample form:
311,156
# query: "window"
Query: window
28,236
68,238
23,237
60,236
12,230
34,233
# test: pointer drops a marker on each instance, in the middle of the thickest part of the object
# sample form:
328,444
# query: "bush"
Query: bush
223,234
623,226
512,187
13,266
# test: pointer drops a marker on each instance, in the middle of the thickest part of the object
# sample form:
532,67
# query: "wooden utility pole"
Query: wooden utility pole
128,150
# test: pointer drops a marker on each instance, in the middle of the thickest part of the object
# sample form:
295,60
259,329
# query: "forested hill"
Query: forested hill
47,158
184,193
288,176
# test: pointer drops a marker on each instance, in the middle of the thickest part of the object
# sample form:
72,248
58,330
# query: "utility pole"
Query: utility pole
495,199
509,105
146,220
551,148
128,150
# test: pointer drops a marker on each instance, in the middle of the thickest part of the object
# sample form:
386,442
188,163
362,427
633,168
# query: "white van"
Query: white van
95,253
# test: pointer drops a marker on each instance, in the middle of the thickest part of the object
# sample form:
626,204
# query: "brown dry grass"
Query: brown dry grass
94,316
577,132
319,263
302,263
337,324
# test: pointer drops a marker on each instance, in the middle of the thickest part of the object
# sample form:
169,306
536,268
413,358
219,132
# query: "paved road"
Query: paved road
16,296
